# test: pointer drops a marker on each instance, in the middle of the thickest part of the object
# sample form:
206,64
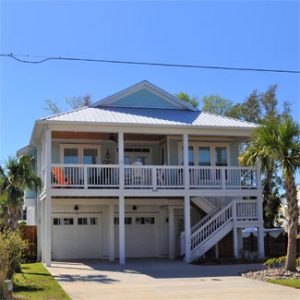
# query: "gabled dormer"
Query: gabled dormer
144,95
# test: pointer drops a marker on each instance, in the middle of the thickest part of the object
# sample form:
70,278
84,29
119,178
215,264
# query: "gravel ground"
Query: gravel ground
276,273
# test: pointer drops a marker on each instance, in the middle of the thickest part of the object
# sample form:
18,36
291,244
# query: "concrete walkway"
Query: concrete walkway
163,279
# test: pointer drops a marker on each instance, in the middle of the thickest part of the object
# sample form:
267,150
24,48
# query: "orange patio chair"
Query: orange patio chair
59,176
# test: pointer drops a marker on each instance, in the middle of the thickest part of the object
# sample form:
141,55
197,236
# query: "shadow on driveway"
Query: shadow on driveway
155,268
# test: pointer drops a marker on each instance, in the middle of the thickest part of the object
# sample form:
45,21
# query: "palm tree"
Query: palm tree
280,141
17,175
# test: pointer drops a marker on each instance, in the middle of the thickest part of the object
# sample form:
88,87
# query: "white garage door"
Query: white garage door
140,235
76,236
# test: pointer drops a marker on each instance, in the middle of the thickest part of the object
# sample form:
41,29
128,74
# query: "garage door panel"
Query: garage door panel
80,239
140,238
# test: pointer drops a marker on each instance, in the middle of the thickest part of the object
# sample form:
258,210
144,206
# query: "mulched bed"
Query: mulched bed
272,274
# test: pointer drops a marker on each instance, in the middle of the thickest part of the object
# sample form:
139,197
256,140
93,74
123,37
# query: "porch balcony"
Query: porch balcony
151,177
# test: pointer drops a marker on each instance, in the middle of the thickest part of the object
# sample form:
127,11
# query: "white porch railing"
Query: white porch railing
151,177
246,210
222,177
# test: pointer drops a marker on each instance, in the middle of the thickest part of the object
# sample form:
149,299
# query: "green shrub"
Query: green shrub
11,254
280,261
298,261
271,262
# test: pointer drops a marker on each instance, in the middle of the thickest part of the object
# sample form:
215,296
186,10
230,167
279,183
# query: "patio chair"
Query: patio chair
59,176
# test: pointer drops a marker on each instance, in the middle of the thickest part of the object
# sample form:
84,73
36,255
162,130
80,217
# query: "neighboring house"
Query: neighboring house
141,174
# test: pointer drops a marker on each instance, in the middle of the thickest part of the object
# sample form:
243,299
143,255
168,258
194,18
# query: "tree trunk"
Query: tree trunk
293,214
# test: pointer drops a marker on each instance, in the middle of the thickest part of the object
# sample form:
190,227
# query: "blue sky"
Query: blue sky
237,33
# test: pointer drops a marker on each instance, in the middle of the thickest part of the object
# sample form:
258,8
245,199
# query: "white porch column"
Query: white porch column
42,230
187,228
38,206
171,232
234,231
240,241
121,159
48,224
48,200
235,243
121,230
186,161
111,232
260,231
261,242
217,250
121,199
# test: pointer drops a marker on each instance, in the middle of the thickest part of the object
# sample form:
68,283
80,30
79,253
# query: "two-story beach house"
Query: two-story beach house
142,174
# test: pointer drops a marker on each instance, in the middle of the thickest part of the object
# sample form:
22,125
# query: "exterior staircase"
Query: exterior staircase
217,224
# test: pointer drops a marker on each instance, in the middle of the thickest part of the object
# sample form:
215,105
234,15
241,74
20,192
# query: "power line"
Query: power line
153,64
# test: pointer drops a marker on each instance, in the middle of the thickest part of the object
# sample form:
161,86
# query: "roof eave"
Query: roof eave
183,126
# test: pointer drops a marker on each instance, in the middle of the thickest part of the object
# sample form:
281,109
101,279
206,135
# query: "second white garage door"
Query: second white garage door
140,235
76,236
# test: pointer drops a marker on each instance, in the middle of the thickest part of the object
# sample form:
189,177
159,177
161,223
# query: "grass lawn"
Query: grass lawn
35,282
295,283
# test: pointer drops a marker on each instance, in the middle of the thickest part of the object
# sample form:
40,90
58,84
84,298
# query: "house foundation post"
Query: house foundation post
48,230
187,229
171,233
121,230
42,229
121,199
187,204
234,231
261,242
111,232
235,243
48,199
240,242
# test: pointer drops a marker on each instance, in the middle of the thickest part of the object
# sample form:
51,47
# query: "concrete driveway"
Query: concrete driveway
163,279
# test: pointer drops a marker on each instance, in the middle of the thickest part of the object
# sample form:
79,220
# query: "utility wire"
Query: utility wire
153,64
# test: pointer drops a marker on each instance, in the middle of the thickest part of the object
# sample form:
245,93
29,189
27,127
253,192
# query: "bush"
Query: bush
279,262
11,253
30,255
298,262
270,263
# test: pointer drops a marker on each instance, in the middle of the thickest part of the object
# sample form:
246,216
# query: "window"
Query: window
128,221
80,154
204,156
149,220
90,156
93,221
56,221
140,155
221,156
142,159
71,156
191,156
144,220
68,221
82,221
127,160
